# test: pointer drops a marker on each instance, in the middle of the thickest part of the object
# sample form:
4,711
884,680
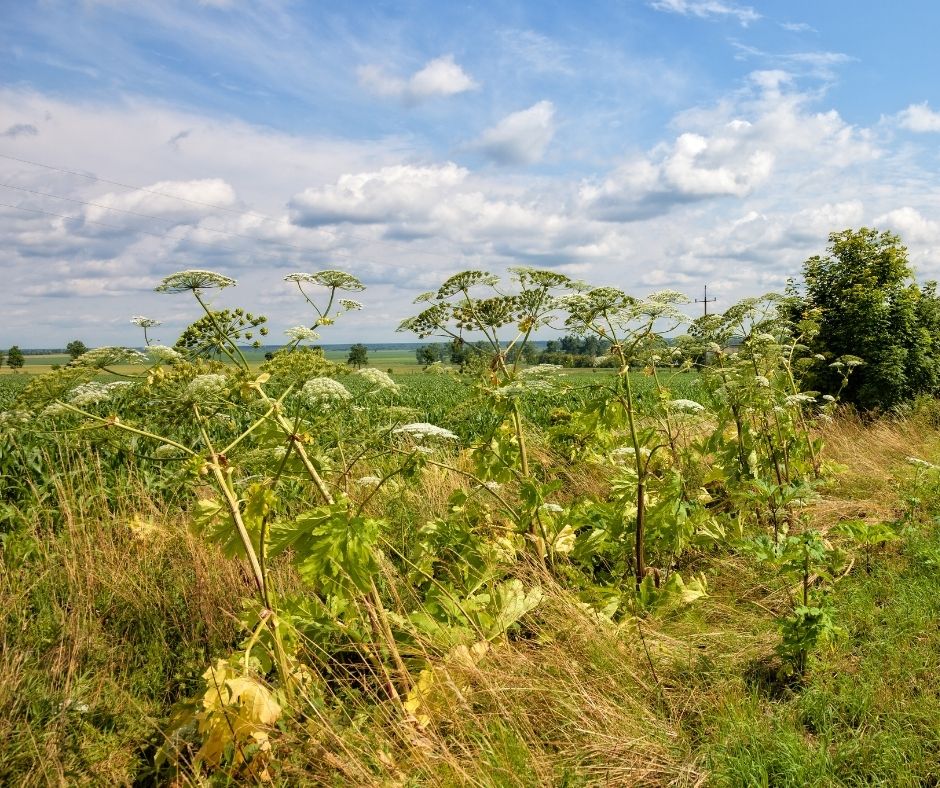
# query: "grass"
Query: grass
112,611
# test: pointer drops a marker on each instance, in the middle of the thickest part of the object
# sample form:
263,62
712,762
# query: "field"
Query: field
292,572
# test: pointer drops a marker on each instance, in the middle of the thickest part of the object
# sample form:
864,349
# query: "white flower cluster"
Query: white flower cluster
919,463
686,405
799,399
144,322
14,418
101,357
54,409
762,381
93,393
551,507
421,430
377,379
540,371
301,334
323,393
350,305
208,386
368,481
164,355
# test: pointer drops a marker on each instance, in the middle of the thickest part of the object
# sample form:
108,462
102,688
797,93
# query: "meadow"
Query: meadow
686,570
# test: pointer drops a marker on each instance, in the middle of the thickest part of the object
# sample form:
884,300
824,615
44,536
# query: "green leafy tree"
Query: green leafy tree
358,355
76,348
426,354
870,307
15,358
2,357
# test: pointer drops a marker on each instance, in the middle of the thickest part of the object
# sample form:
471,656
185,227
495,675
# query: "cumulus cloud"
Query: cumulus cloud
438,78
920,118
391,194
521,137
911,225
706,9
731,151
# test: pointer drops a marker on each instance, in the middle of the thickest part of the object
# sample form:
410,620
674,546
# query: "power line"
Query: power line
91,177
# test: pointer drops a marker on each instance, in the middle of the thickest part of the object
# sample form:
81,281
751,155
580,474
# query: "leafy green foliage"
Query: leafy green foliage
869,306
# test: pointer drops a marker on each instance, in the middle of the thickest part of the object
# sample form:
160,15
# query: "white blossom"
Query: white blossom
145,322
323,393
421,429
301,334
919,463
762,381
378,379
687,405
797,399
368,481
208,386
350,305
101,357
92,393
551,507
164,354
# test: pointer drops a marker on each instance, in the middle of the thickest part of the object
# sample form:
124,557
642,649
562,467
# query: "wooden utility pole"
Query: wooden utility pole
706,300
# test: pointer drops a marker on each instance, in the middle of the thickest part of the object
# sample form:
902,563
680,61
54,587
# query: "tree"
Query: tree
76,348
426,355
2,357
869,306
358,355
15,358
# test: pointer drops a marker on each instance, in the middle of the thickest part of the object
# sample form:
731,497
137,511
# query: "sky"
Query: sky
644,144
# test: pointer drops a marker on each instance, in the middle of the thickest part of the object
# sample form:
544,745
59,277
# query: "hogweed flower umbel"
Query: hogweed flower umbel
194,279
421,430
323,393
145,322
379,380
208,386
301,334
101,357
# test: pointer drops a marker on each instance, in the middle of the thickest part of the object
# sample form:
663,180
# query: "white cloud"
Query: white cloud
391,194
438,78
730,151
521,137
798,27
912,226
705,9
920,118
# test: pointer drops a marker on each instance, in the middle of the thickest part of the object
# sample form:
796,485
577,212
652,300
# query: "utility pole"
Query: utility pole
706,300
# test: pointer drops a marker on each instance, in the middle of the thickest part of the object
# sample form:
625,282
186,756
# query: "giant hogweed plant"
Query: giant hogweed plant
288,462
297,426
505,315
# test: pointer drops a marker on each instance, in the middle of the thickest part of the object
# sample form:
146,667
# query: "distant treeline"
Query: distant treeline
569,351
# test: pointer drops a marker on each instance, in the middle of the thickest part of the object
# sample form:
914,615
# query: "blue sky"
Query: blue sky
641,143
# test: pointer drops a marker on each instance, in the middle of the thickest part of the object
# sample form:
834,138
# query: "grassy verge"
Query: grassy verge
111,615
